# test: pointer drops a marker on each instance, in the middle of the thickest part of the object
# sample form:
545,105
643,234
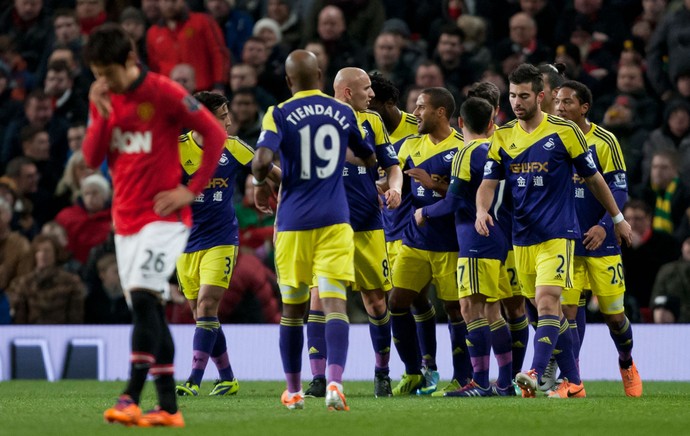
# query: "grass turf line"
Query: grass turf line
75,408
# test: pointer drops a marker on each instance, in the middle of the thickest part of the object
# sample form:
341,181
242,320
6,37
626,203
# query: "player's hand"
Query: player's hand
594,237
623,233
167,202
418,217
262,198
481,225
392,198
98,95
422,177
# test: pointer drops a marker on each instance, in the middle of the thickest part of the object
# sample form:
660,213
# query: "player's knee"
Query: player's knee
401,299
453,310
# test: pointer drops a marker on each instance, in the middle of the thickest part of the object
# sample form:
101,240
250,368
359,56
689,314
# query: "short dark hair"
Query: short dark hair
29,132
384,90
211,100
245,91
441,97
108,44
476,113
452,29
65,12
486,90
527,73
640,205
668,153
36,94
14,167
584,95
60,66
555,74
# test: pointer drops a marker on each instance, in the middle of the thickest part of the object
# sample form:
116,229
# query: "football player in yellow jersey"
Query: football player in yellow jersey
403,125
372,271
513,306
205,267
536,154
597,256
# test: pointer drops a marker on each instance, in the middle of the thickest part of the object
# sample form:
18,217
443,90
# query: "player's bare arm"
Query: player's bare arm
485,196
601,191
427,182
395,180
98,95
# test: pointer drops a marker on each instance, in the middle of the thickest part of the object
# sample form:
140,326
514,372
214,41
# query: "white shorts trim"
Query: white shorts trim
146,260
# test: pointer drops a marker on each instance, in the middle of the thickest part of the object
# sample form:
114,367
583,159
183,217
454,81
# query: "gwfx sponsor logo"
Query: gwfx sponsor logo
529,167
217,182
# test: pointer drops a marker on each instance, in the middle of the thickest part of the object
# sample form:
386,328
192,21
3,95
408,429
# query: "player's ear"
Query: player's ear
132,58
461,122
289,83
490,126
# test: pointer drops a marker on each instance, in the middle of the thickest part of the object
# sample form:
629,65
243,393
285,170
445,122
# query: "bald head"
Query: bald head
302,71
353,86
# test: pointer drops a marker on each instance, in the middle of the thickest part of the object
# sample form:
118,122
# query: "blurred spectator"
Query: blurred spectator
285,14
82,77
411,98
246,115
91,14
9,107
522,45
55,230
387,61
88,222
670,300
673,134
602,20
477,55
134,23
649,251
49,294
69,186
553,78
107,303
245,76
25,176
543,12
151,10
665,193
59,86
15,250
342,49
669,50
271,76
75,136
428,75
449,56
569,55
362,18
323,60
38,112
22,80
36,146
188,37
268,31
66,27
185,76
411,52
28,25
653,12
235,24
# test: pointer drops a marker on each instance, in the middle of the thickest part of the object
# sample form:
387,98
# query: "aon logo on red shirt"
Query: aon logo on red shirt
131,142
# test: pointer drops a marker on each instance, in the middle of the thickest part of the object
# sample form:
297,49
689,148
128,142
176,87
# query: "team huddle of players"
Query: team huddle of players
506,223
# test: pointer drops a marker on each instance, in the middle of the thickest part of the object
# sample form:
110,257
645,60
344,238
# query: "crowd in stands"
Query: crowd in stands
56,251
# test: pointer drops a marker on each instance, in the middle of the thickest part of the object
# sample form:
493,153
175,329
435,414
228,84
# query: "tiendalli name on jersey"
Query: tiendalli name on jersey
307,110
131,142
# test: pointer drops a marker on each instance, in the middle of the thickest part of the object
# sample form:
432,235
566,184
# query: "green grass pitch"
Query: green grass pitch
75,408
